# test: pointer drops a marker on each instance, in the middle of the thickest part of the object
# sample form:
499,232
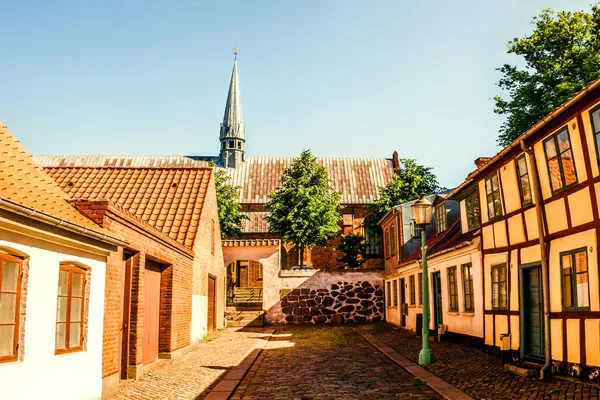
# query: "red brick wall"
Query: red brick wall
176,289
391,261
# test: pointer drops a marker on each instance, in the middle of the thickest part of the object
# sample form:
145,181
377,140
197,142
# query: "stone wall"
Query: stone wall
328,297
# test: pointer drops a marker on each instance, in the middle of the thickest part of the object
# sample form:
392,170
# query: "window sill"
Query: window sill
468,314
412,306
453,313
70,351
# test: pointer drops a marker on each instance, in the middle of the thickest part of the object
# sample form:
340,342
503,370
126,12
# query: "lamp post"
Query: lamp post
423,210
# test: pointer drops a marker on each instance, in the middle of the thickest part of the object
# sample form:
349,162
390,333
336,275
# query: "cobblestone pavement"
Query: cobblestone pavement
478,374
194,373
326,362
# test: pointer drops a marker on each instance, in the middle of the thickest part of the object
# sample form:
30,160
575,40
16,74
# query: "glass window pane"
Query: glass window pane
63,279
526,189
503,294
61,309
488,186
568,167
75,334
491,207
77,285
495,182
76,309
563,141
495,294
596,120
10,274
581,261
522,166
550,148
61,332
567,291
555,174
497,203
502,272
495,274
583,293
8,308
7,340
566,264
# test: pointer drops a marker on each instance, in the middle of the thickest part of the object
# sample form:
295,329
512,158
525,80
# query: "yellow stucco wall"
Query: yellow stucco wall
556,339
580,207
531,224
510,187
488,237
500,239
513,270
516,229
573,342
592,341
515,331
531,254
585,116
501,327
556,216
489,330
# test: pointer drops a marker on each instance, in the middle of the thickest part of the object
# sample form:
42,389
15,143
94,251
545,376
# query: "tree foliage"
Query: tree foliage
561,56
305,210
353,247
409,181
230,219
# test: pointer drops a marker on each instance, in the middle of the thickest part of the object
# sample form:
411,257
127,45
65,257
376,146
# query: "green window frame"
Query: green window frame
420,281
469,297
411,282
559,160
372,242
524,182
492,195
452,289
575,280
440,218
499,287
595,119
473,210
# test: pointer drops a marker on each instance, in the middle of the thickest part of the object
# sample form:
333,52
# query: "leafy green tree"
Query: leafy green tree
230,219
305,210
353,247
409,181
561,56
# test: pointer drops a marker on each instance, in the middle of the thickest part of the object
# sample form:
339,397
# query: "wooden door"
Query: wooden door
438,311
533,321
212,303
126,322
402,301
151,315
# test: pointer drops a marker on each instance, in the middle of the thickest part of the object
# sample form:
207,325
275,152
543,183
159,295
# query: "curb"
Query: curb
439,385
230,381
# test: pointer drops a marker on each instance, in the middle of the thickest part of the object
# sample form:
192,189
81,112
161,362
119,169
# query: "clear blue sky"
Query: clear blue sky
343,78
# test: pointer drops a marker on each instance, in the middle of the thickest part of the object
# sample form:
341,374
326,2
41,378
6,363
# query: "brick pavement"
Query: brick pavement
478,374
193,374
326,362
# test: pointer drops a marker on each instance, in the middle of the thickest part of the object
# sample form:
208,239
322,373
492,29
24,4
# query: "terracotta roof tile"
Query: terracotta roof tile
160,197
24,182
358,179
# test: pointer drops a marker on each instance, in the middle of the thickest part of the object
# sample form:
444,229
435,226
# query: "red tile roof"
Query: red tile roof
358,179
168,199
22,181
250,242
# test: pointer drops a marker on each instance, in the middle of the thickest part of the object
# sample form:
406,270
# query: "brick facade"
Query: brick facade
391,261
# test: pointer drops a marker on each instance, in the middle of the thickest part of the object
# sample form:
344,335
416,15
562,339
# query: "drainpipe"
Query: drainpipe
541,217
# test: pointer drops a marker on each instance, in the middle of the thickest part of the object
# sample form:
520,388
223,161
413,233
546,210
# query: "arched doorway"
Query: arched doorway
245,282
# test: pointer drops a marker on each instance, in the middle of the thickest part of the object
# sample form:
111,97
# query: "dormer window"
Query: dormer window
440,218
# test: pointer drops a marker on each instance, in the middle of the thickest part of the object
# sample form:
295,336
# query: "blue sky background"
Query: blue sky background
343,78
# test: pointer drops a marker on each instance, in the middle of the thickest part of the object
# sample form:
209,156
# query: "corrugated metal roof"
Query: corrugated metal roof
358,179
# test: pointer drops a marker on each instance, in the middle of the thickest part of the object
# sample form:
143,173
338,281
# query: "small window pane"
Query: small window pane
522,166
555,174
63,284
563,141
526,189
580,261
495,294
75,310
7,338
568,167
77,285
8,308
75,334
61,309
566,264
596,120
495,182
10,275
567,291
488,187
550,148
583,293
61,332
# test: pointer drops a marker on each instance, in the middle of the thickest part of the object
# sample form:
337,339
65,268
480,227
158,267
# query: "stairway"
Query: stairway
247,295
244,314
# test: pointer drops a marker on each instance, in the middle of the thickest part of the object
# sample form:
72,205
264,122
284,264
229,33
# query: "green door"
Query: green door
533,315
437,300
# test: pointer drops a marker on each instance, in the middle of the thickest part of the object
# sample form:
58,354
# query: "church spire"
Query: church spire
233,129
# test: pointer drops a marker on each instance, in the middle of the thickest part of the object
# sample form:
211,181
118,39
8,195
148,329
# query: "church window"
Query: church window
239,145
231,144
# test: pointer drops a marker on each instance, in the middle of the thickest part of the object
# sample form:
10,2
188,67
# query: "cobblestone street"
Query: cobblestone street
478,374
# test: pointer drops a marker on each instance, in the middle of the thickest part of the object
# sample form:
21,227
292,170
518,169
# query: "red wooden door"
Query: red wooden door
212,309
151,315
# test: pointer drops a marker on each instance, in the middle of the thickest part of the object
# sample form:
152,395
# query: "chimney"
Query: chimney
395,161
481,161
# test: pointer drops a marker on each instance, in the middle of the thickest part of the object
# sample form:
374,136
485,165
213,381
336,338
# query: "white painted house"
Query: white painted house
52,276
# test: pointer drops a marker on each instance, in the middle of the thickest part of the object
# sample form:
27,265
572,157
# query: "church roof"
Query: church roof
233,122
358,179
168,199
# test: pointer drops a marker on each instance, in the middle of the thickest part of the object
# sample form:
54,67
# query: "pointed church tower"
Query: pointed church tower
233,129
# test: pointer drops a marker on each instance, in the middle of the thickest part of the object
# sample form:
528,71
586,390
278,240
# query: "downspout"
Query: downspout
546,370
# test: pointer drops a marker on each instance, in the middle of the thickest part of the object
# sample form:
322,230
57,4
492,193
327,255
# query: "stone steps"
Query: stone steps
245,318
247,295
245,323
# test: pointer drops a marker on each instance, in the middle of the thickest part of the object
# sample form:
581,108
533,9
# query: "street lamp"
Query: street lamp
422,210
